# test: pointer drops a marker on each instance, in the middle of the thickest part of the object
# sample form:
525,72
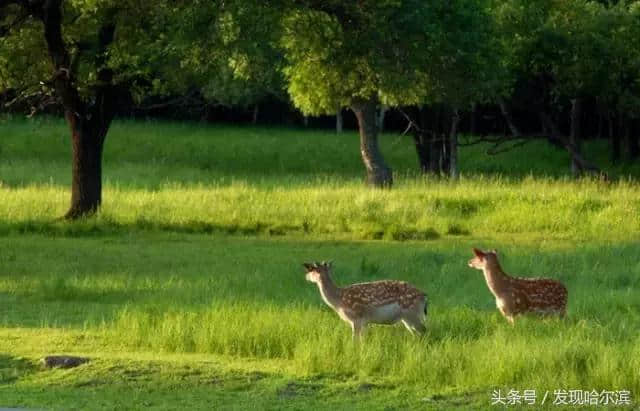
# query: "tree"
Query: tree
559,54
85,55
467,73
362,54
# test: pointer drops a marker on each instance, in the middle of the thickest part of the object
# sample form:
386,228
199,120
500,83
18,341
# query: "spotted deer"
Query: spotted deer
516,296
379,302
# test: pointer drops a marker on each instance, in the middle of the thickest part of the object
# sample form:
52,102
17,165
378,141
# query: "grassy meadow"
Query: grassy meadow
187,289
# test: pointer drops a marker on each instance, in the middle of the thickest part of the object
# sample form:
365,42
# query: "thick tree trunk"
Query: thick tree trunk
421,140
86,183
88,119
453,145
576,134
339,120
432,139
378,173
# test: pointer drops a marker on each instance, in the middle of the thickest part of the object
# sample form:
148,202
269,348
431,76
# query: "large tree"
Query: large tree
365,53
84,55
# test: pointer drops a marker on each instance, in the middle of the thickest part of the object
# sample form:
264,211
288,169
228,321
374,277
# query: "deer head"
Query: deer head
317,272
483,259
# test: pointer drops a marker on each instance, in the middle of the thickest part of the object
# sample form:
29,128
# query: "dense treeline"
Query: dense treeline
508,70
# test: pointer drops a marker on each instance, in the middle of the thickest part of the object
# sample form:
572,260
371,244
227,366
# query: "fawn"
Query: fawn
520,295
379,302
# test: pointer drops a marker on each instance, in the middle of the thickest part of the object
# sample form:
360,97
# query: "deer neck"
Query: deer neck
329,291
497,280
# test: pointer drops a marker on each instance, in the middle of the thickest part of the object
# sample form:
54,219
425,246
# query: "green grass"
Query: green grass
187,290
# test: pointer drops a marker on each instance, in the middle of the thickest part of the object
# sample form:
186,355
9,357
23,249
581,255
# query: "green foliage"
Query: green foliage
228,50
577,48
401,52
28,69
21,62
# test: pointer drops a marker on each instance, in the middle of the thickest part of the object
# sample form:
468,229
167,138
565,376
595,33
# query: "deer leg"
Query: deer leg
506,315
357,329
414,324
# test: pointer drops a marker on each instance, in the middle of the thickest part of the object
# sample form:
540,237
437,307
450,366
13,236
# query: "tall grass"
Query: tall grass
415,210
247,298
274,181
463,348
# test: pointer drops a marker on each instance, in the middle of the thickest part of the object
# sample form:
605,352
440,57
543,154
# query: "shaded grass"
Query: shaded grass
151,381
151,154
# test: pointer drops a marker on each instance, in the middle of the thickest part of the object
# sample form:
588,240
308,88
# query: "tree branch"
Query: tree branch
63,79
103,110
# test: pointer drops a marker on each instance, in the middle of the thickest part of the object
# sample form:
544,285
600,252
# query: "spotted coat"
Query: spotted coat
359,297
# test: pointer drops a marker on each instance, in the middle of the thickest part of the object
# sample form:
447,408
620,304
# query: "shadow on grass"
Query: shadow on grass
96,226
14,368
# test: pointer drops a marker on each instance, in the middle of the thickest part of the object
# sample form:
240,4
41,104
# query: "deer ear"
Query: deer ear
494,251
478,253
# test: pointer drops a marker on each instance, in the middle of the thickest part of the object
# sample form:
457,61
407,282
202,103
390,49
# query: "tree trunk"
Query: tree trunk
453,145
378,173
506,113
435,141
583,163
473,119
254,114
339,120
422,149
421,139
88,119
380,119
576,134
86,182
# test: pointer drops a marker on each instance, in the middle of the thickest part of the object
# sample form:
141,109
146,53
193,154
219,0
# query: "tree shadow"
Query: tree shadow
14,368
